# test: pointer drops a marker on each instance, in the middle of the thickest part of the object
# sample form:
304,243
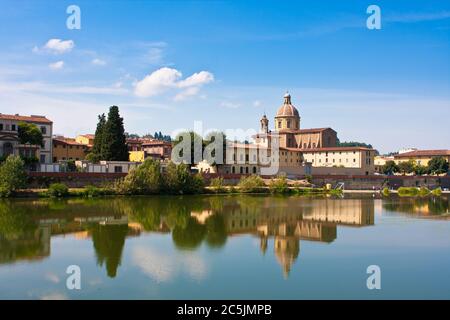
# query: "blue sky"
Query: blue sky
167,64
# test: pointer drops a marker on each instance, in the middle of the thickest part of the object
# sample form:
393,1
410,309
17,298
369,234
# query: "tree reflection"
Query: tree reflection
109,241
189,236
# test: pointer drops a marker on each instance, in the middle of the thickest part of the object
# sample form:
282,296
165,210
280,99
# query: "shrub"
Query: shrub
57,190
279,185
385,192
144,179
424,191
405,191
196,184
437,191
178,179
12,175
251,183
217,184
93,191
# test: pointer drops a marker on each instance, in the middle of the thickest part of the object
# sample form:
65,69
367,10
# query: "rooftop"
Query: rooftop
32,118
423,153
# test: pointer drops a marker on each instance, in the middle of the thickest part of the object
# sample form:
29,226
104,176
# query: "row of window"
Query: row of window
14,127
65,146
243,170
334,160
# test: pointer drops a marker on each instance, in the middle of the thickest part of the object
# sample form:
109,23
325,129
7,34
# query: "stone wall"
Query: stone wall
71,179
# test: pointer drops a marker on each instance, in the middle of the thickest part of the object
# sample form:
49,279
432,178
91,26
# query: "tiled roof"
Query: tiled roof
336,149
155,142
423,153
32,118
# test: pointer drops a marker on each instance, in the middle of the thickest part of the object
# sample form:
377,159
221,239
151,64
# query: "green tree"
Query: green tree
113,146
30,133
96,154
407,166
145,179
438,165
390,167
420,170
12,175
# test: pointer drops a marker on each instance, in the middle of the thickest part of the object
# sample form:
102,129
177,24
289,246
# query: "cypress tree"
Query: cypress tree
114,147
98,139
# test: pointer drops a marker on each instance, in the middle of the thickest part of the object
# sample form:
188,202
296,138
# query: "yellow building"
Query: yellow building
68,149
86,139
421,157
136,156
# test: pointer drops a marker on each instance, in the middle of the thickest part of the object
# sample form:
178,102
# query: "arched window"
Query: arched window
254,169
233,169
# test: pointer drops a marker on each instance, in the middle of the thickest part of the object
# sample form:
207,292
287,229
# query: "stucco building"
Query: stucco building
68,149
10,142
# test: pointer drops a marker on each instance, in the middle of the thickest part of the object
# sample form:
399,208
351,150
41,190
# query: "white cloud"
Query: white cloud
165,78
189,92
163,267
56,46
197,79
228,104
98,62
157,82
56,65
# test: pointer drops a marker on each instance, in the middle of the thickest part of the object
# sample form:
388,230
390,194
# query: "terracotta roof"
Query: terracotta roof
32,118
337,149
155,142
423,153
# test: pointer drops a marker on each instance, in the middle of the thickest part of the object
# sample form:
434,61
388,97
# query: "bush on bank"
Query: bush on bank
251,183
12,175
147,179
279,185
57,190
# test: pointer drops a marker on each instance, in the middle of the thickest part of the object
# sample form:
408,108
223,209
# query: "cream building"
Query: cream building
421,157
9,139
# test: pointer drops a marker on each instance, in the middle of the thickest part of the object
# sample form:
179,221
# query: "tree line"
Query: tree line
436,165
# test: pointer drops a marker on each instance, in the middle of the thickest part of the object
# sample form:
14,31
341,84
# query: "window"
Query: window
241,170
279,124
254,169
246,169
44,130
1,126
13,127
42,158
118,169
354,160
233,170
289,123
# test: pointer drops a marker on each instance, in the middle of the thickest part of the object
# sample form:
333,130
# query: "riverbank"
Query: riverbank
225,190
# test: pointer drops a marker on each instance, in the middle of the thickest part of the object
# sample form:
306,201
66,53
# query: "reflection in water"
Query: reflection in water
433,207
26,226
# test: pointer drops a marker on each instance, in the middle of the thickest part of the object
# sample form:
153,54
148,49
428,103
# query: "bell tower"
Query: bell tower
264,124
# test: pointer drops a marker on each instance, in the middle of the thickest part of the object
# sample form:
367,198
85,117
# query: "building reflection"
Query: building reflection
278,222
308,219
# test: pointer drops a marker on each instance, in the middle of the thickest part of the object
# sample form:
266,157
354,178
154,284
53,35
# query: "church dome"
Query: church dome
287,109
